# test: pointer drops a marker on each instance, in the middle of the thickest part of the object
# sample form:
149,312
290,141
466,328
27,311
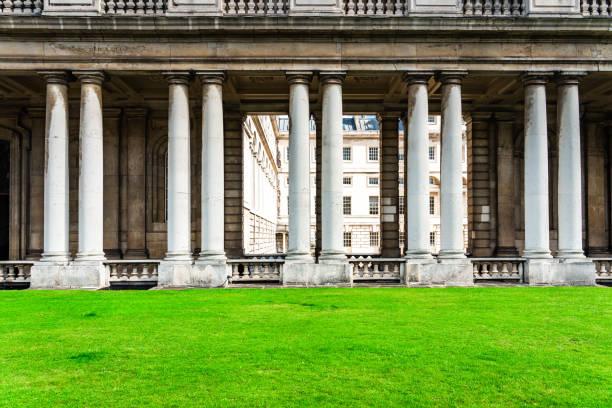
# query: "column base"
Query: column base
537,254
544,271
451,254
187,274
418,254
447,272
79,274
312,275
571,255
336,257
299,257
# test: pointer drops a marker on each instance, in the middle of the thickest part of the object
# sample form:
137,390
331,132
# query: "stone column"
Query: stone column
536,167
299,168
136,207
91,168
212,168
505,186
570,169
389,186
332,218
179,169
56,220
451,183
417,167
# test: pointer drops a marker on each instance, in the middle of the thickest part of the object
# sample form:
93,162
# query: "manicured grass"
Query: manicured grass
307,348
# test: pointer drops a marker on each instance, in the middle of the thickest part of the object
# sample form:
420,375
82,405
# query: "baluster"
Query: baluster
376,270
604,269
260,7
603,7
140,7
17,4
399,8
487,8
241,6
110,7
584,7
129,7
504,271
369,7
360,7
149,7
20,274
468,9
515,270
494,270
256,272
28,272
231,7
266,271
485,270
516,8
251,7
8,6
475,270
350,8
497,9
355,270
235,272
389,8
38,4
379,7
506,8
478,8
120,7
386,273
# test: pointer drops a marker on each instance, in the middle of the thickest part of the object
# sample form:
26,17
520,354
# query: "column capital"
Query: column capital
211,77
332,77
451,77
536,78
60,77
95,77
569,77
417,77
177,77
298,77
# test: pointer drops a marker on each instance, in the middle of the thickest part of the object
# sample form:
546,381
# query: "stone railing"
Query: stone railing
132,270
596,8
498,269
23,7
15,273
255,7
262,268
367,268
134,7
603,268
493,8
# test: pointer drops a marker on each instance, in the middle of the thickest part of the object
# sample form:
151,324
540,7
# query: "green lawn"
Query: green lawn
307,347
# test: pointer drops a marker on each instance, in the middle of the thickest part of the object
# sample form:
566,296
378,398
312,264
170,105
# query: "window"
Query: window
400,156
400,180
346,154
348,239
346,205
373,153
432,205
432,153
283,123
432,181
402,205
347,181
373,205
348,123
372,181
432,239
431,119
373,238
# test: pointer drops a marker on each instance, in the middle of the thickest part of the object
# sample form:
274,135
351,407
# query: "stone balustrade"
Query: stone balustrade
15,274
132,270
379,8
491,269
603,269
367,268
263,268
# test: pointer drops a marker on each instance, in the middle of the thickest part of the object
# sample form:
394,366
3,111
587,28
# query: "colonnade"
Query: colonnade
90,207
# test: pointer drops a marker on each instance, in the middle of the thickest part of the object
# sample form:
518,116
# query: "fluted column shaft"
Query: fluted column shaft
179,168
570,175
213,225
536,168
451,183
56,209
417,167
332,218
91,167
299,168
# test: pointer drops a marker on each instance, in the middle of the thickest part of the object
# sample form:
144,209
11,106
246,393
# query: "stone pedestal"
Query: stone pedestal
187,274
69,275
429,272
570,272
309,274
